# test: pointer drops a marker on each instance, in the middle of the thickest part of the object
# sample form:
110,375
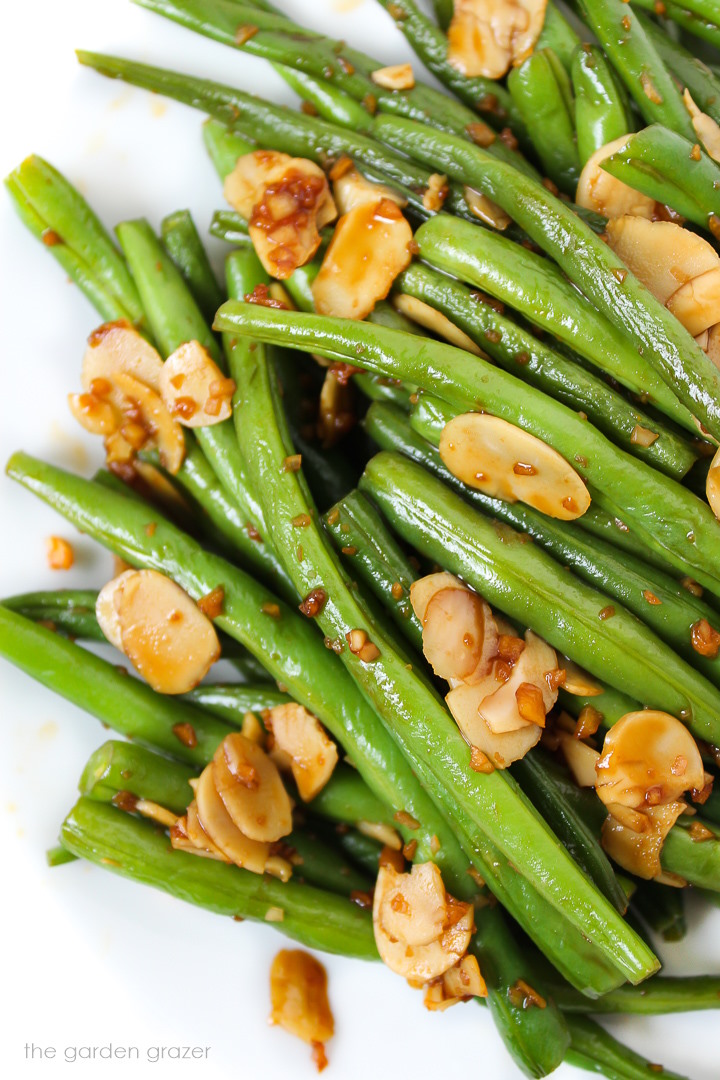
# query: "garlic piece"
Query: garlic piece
581,759
161,631
648,758
599,191
459,633
486,210
420,930
352,189
706,129
215,820
251,789
486,37
425,315
494,456
313,756
369,248
577,681
298,995
155,419
287,201
465,703
194,388
396,77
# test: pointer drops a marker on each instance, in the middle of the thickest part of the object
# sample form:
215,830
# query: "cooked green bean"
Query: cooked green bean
593,1048
541,91
662,909
186,250
602,113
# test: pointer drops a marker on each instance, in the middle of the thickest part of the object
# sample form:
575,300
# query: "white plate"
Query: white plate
91,959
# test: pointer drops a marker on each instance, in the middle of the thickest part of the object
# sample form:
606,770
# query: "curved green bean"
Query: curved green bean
601,110
541,91
184,246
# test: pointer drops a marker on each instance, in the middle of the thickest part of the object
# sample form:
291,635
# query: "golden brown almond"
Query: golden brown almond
249,784
395,77
190,380
312,754
487,37
299,998
599,191
215,820
435,321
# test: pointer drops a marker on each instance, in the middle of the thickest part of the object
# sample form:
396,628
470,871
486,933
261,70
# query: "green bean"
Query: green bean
443,12
662,909
587,261
602,113
485,96
317,861
363,850
660,163
660,995
68,216
706,29
630,489
557,34
59,856
186,250
528,585
284,642
231,701
376,559
227,225
596,1050
348,800
415,717
79,272
638,63
69,611
698,861
330,102
224,147
518,351
700,80
540,89
133,848
121,766
126,704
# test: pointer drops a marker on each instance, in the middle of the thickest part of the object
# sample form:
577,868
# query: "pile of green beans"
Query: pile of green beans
575,351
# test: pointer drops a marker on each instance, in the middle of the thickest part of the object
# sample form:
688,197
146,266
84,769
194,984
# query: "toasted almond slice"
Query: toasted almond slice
598,190
156,420
696,303
713,344
298,994
461,982
395,77
194,388
636,820
116,348
220,827
486,37
94,413
459,635
410,905
486,210
425,315
163,632
488,453
712,485
197,835
369,248
423,590
501,710
577,681
352,189
661,254
706,129
581,759
336,409
639,852
464,702
382,832
245,186
249,785
106,610
648,758
313,755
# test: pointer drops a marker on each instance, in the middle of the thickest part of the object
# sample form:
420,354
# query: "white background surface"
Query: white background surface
88,958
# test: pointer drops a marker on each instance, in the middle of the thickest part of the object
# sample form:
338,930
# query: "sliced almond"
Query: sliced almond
194,388
251,789
369,248
461,982
712,485
395,77
464,702
298,994
486,210
577,681
459,634
639,852
163,632
117,348
648,758
352,189
197,835
287,201
661,254
706,129
599,191
420,931
155,419
312,754
491,455
696,304
581,759
486,37
336,409
219,826
425,315
106,611
94,413
502,710
712,348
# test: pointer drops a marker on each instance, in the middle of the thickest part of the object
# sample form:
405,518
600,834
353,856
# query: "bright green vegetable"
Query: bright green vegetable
700,80
596,1050
186,250
661,994
602,113
662,909
122,766
707,29
541,91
